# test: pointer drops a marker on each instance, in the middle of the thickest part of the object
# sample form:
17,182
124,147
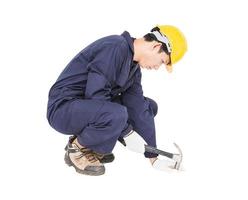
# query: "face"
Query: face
151,57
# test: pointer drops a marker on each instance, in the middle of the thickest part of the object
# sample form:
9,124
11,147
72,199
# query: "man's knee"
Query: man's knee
153,106
114,114
120,114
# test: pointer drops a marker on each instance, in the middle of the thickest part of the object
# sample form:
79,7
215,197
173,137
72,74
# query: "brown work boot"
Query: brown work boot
83,159
103,158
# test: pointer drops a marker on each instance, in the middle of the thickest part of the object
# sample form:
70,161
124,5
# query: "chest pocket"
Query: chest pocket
116,90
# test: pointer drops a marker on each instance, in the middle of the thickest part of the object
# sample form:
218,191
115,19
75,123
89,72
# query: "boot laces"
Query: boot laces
89,154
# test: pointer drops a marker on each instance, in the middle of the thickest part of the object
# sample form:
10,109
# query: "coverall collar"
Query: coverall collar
129,40
127,71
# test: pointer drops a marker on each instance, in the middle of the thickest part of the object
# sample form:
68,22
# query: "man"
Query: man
98,97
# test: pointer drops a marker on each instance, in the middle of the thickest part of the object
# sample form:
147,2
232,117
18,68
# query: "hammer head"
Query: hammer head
178,158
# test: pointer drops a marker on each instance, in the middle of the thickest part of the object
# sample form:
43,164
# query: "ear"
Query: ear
157,45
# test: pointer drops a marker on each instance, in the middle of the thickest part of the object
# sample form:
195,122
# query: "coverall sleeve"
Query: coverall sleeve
101,72
141,114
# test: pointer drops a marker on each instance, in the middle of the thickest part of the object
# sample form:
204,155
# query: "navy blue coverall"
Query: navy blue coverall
99,96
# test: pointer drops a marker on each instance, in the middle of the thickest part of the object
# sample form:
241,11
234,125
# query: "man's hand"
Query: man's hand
163,165
152,160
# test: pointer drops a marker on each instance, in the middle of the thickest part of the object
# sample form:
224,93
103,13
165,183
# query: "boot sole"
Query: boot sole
85,172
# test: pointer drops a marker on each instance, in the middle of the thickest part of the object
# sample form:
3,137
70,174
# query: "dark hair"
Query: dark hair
149,37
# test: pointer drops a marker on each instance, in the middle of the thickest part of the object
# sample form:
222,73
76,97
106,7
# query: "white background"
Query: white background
202,105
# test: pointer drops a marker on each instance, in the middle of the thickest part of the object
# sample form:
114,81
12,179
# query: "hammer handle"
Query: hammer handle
154,150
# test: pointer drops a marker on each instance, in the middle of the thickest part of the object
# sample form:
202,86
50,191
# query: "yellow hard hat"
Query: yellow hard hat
177,41
174,40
